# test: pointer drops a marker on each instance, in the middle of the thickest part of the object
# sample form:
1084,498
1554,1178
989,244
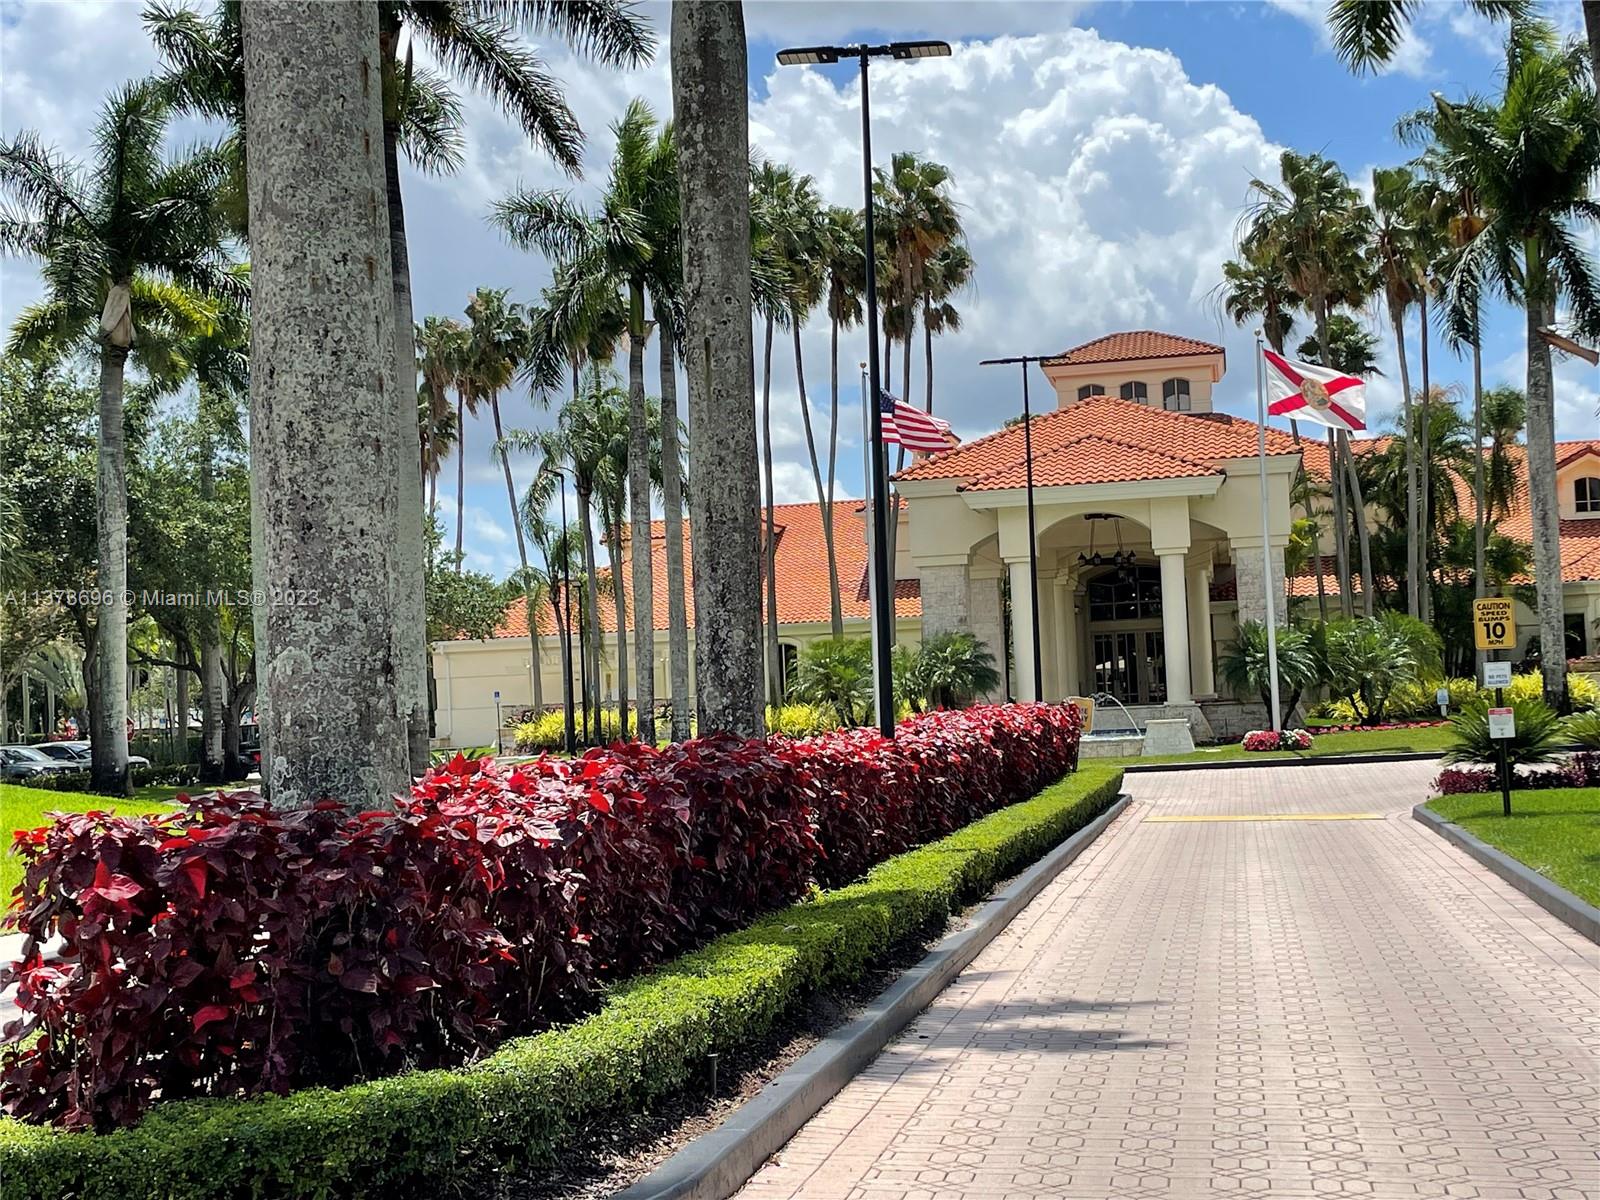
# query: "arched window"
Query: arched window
1587,494
1136,391
1175,395
1090,389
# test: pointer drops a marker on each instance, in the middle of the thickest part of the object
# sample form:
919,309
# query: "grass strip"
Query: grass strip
1555,832
26,808
413,1134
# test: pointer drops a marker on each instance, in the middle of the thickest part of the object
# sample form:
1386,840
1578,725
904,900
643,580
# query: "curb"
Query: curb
1315,760
718,1164
1554,899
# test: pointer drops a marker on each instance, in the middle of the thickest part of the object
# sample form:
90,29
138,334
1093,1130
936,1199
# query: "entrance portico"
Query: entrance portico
1138,511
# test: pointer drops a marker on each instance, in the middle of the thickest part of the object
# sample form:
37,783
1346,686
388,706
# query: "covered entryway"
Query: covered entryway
1127,650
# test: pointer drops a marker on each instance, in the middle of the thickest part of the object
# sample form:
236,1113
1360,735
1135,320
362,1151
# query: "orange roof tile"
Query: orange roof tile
1133,345
802,574
1197,437
1093,458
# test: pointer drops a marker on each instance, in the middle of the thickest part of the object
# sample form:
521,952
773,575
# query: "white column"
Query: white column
1066,638
1175,627
1021,631
1201,675
1049,637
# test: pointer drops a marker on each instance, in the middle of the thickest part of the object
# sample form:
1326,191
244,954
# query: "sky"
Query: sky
1101,156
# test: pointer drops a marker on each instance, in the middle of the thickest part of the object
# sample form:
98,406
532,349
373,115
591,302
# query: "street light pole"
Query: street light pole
878,507
566,625
1033,527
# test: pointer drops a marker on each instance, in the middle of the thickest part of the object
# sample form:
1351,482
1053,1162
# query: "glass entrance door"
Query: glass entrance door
1131,664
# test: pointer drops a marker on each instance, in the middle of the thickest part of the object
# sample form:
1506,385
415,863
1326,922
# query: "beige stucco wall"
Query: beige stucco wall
1202,372
1566,491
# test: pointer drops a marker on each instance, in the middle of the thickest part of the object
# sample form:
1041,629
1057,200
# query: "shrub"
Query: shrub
1582,690
1584,730
237,948
1537,738
947,670
1267,739
837,674
1368,659
547,731
1581,770
170,775
800,720
1245,667
415,1135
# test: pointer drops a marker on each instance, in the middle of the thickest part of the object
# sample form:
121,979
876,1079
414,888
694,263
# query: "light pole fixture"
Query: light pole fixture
570,739
882,575
1033,531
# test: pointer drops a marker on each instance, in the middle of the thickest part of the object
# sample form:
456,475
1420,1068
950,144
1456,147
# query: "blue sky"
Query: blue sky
1101,155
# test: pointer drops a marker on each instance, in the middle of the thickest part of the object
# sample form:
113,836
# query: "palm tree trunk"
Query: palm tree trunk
711,110
411,634
774,654
109,748
835,602
1341,528
1423,539
180,688
535,672
825,510
1542,497
461,469
927,351
335,715
644,634
591,606
619,602
1397,321
1479,528
213,766
672,520
1358,509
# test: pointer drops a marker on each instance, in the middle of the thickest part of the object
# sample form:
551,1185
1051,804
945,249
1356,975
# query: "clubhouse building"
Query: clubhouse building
1148,548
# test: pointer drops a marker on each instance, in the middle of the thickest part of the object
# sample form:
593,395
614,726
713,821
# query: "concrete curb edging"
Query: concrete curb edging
1315,760
718,1164
1550,896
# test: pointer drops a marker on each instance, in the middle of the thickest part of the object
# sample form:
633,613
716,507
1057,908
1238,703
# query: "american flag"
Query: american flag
911,427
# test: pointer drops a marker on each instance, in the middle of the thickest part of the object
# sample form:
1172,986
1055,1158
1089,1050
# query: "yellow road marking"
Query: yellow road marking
1267,817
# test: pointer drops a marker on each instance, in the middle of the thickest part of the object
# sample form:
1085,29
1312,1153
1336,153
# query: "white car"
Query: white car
77,753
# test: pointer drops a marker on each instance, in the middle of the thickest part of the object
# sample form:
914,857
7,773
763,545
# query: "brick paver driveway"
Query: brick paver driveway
1247,1007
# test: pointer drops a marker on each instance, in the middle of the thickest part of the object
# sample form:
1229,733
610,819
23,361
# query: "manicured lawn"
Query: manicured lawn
1556,832
25,808
1425,738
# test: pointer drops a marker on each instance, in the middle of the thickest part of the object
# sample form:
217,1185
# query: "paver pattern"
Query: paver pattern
1278,1009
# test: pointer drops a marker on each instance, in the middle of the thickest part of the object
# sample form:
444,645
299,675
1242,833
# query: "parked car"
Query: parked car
77,753
28,762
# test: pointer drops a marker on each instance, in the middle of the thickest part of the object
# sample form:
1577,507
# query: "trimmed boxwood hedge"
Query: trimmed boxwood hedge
412,1134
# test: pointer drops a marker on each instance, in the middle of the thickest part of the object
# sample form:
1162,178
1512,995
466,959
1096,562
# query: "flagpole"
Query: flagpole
872,530
1266,534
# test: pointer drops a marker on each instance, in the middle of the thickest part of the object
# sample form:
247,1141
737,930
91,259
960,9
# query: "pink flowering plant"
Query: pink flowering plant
1268,739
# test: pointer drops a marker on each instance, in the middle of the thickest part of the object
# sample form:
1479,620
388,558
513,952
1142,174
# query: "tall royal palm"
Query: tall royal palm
614,248
119,240
946,275
443,343
917,217
1531,157
846,267
1316,225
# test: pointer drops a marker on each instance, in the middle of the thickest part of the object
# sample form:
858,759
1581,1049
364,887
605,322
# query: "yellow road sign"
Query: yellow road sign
1494,623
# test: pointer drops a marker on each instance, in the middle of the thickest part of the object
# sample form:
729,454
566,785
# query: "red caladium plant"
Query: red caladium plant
233,948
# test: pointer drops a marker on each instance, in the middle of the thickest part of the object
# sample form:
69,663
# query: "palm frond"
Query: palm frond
484,52
47,330
612,32
430,124
44,183
549,221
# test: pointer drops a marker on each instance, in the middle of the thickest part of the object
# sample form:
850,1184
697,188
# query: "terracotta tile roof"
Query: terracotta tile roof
1093,458
1197,437
802,573
1301,586
1133,345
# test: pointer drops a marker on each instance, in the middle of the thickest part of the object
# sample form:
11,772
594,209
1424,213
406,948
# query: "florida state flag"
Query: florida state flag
1311,393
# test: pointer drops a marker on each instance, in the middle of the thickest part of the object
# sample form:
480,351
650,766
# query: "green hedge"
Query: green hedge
412,1134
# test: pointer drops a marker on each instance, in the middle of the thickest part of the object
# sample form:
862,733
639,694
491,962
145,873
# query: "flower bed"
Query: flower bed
1270,739
1579,771
236,949
1384,725
433,1132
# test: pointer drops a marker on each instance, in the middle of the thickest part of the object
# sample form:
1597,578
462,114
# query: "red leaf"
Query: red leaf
195,869
210,1013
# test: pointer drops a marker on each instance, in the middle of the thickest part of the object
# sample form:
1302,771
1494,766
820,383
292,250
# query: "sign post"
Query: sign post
499,728
1494,627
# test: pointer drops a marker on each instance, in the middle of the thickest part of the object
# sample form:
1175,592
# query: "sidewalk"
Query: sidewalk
1273,1008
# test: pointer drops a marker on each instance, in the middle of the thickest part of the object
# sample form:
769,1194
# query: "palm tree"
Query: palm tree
333,726
1393,251
1352,348
1530,157
616,248
1316,224
709,74
480,44
947,274
1505,415
846,264
125,243
444,343
917,218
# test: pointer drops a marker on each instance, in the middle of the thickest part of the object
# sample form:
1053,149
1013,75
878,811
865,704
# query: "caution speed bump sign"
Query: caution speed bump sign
1494,623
